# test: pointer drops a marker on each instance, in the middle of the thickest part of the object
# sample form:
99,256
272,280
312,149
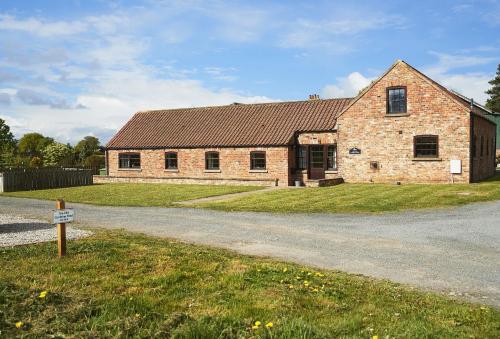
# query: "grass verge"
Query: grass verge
122,284
362,198
163,195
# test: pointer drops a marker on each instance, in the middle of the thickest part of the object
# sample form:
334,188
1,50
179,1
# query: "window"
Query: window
171,160
212,160
426,146
396,100
129,160
482,146
302,158
332,157
474,147
257,160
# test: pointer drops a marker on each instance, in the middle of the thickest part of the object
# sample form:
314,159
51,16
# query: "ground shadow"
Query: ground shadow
24,227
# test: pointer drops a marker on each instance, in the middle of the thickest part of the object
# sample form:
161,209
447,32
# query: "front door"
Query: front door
317,162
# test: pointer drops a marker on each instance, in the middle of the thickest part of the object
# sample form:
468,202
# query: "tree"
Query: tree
6,136
7,146
87,147
493,102
32,144
55,153
94,161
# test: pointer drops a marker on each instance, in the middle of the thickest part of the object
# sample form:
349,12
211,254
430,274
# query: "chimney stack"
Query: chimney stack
313,97
471,103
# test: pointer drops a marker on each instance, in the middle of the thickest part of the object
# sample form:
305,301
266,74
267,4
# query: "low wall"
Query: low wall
100,179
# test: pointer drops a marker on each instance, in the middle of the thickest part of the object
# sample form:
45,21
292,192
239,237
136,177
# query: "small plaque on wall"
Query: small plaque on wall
355,150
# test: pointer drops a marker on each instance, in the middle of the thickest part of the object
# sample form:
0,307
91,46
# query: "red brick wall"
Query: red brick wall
483,166
389,139
234,164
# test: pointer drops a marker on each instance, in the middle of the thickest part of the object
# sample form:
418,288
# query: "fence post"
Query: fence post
61,231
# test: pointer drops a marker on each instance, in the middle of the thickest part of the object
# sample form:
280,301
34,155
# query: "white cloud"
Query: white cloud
42,28
306,33
470,84
447,62
346,86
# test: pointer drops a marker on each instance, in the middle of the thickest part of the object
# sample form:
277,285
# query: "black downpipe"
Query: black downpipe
471,158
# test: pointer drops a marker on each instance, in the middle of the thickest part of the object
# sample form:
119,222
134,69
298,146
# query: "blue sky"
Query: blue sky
75,68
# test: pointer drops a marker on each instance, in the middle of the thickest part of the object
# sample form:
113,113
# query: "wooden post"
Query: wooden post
61,231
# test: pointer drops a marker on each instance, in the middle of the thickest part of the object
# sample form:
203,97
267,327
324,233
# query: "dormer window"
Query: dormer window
396,100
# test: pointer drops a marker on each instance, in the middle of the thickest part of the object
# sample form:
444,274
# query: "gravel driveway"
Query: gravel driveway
15,230
455,250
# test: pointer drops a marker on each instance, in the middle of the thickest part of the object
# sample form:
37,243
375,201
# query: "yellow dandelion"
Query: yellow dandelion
258,270
375,337
19,324
255,327
137,315
43,294
269,325
258,323
290,286
309,273
315,290
285,269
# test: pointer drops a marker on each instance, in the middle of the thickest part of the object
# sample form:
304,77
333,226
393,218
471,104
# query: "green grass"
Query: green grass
362,198
121,284
164,195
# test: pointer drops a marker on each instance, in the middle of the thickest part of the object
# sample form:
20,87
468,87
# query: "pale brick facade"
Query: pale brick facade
234,166
370,144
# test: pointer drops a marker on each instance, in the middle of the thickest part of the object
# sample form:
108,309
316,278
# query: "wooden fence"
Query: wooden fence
27,179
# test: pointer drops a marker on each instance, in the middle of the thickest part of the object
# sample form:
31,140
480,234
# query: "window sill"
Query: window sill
396,115
212,171
257,171
331,171
130,169
172,170
427,159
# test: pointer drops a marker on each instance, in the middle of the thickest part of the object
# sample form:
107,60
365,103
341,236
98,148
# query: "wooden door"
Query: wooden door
317,162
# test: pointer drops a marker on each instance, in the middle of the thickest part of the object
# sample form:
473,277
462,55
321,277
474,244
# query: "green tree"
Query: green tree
55,153
7,146
87,147
493,102
6,136
32,144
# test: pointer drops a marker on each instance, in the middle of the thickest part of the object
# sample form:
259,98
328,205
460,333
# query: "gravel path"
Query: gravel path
454,250
16,230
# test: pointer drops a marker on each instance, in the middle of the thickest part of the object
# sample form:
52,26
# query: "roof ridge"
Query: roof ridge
243,104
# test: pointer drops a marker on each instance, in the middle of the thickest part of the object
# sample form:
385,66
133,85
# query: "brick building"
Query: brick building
403,128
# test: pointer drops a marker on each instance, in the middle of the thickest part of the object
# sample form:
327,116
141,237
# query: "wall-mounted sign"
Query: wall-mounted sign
355,150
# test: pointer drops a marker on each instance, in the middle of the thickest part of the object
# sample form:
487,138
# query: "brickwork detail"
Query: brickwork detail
388,140
234,164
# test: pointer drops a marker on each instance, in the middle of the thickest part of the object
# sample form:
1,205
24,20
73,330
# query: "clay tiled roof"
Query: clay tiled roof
232,125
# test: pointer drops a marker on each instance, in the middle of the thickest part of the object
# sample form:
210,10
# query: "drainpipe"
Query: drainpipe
106,161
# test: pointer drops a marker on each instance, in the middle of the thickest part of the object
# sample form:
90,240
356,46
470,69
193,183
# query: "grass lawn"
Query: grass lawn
362,198
121,284
132,194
